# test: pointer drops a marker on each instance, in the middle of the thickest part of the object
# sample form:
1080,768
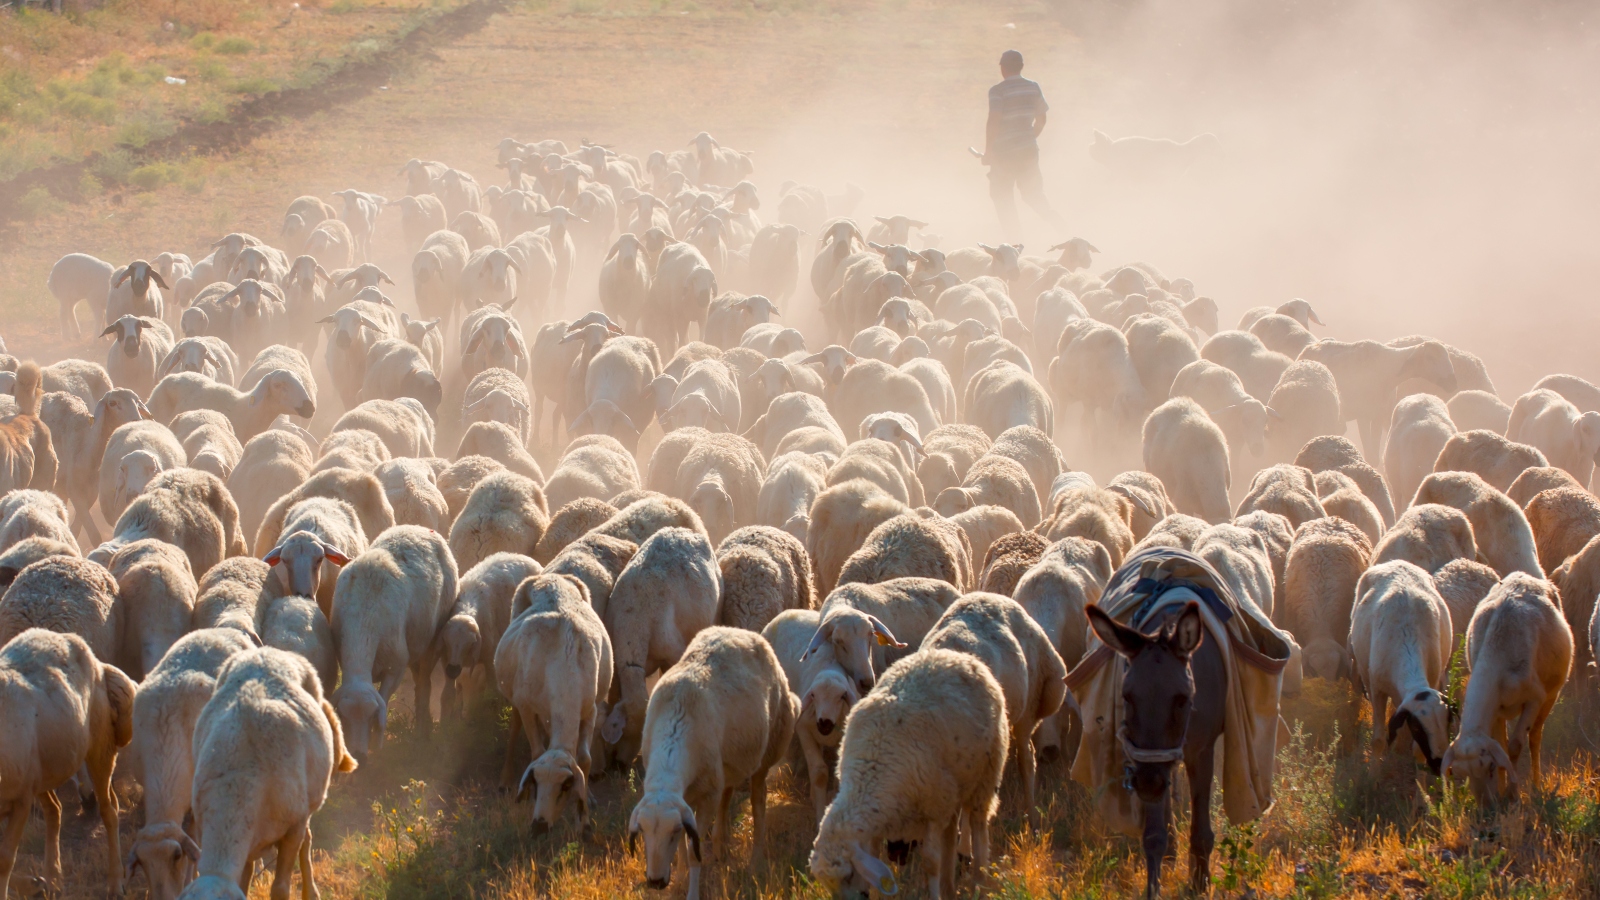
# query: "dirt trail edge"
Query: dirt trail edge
355,79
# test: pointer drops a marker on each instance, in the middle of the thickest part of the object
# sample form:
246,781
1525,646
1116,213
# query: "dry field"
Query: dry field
830,90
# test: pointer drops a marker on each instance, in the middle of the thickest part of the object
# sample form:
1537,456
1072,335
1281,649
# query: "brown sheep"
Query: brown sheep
1563,520
1008,559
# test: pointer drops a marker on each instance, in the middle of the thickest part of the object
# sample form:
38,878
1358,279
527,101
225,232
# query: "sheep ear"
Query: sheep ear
522,783
693,831
110,330
274,556
873,869
156,277
1124,641
334,556
1397,721
885,637
119,693
817,641
126,274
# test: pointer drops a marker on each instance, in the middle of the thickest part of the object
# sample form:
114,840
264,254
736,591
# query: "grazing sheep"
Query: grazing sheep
723,714
1418,430
920,754
1463,583
265,747
1070,575
1400,638
668,593
388,606
1488,455
1429,535
64,710
1519,654
554,666
764,572
863,623
165,708
826,695
908,546
597,560
841,518
1326,561
1189,454
156,594
1290,491
504,513
993,481
1568,438
1472,410
482,611
1504,538
411,485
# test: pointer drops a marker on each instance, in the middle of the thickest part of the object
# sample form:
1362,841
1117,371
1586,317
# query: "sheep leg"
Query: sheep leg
422,680
308,881
1536,740
724,821
288,854
817,772
978,827
941,850
69,320
100,765
1380,718
758,818
85,523
1027,767
51,804
16,820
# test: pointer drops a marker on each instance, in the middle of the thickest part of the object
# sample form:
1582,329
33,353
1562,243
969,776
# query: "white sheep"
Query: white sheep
28,513
497,395
921,753
75,278
251,412
187,508
554,666
1429,535
265,747
1325,563
1400,636
1497,460
792,484
721,716
1471,410
788,413
298,625
63,710
413,491
161,452
388,606
1368,372
138,347
864,622
1568,437
505,512
841,518
993,480
1418,430
668,593
1519,655
764,572
156,593
592,466
1189,453
132,292
1504,538
1070,575
316,530
165,709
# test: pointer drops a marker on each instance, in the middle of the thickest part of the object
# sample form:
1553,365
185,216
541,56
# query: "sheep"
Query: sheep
730,315
1494,458
1568,438
68,595
792,483
1189,454
616,390
1336,453
460,477
995,481
208,441
872,386
597,560
31,513
1342,497
64,710
722,714
882,463
668,593
707,396
1325,562
1288,490
569,523
1305,404
27,457
948,453
1149,498
1532,481
841,517
315,530
983,525
209,356
1176,530
1563,519
139,344
361,490
554,665
131,292
265,746
499,442
1278,536
164,711
1003,395
1429,535
1418,430
907,546
505,513
1099,515
298,625
1471,373
1519,654
436,271
411,486
680,293
1463,583
397,369
482,611
1472,410
79,277
1258,368
826,693
593,466
251,412
1159,349
233,595
788,413
160,450
1504,538
1367,374
1093,366
1242,418
388,606
1239,555
764,572
1071,574
357,449
156,592
859,621
279,356
1282,334
935,712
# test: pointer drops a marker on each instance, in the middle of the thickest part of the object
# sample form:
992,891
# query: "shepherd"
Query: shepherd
1011,145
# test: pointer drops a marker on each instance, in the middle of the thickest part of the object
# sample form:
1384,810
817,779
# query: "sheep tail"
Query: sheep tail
29,381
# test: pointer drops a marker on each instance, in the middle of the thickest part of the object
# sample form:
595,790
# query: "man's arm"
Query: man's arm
1038,124
990,130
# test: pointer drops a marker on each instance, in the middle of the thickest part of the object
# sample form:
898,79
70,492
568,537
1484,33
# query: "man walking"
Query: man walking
1011,149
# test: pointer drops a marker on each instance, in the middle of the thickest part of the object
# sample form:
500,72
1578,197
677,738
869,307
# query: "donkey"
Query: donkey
1174,691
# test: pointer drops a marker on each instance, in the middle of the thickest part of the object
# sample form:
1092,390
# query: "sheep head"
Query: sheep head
141,273
364,715
135,472
829,700
1430,361
297,561
1427,715
461,639
850,869
665,820
897,315
556,777
1480,759
126,331
954,500
853,634
834,360
282,391
896,257
164,851
1075,254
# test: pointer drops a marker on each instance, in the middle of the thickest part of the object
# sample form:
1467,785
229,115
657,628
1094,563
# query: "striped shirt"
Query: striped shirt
1018,102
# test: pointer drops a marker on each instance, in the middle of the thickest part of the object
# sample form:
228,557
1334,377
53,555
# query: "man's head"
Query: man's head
1010,63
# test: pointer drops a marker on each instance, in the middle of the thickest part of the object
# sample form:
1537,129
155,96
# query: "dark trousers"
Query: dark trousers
1018,169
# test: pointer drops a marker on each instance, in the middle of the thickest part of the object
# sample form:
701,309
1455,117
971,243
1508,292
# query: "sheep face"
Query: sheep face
164,851
852,871
192,356
665,821
135,472
213,887
297,561
364,715
834,360
1427,717
251,263
126,331
1430,361
853,634
1325,658
461,641
557,778
1480,759
282,390
895,314
829,700
347,324
141,274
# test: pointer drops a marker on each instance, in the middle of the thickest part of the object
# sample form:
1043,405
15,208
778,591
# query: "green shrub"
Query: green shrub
255,85
89,187
114,166
148,178
234,46
203,41
35,203
208,69
89,108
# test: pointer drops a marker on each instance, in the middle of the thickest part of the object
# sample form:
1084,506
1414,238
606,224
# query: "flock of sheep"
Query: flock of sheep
862,540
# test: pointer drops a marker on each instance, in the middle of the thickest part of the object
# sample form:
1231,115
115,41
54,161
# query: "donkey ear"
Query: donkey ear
1120,638
1188,631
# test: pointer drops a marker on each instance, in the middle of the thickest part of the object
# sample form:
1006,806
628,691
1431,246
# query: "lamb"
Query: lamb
64,709
265,746
1464,583
1418,430
482,611
1290,491
792,484
863,623
298,625
161,452
505,513
29,513
1325,563
908,546
27,458
75,278
1071,574
388,606
1189,454
554,666
316,530
826,693
1368,372
937,711
1488,455
156,594
1519,652
594,466
1563,520
1336,453
1569,439
251,412
993,481
361,490
1504,538
1472,410
668,593
722,714
764,572
164,712
1429,535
